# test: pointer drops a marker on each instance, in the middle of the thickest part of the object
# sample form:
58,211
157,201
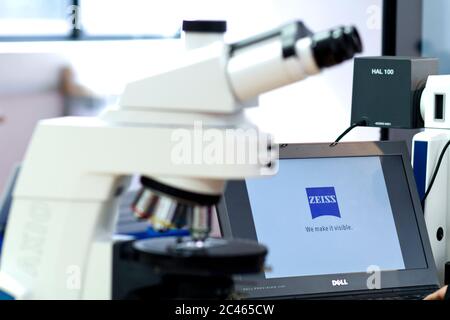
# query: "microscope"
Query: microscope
59,239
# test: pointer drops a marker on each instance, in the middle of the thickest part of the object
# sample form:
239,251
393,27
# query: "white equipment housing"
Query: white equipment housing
427,148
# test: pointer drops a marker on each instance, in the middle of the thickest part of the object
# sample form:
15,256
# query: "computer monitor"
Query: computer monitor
332,214
402,27
417,28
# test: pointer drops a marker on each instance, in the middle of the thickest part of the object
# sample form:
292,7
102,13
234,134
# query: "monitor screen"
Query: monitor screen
335,217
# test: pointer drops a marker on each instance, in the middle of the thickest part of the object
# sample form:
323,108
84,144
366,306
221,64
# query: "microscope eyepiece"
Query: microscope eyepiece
255,68
332,47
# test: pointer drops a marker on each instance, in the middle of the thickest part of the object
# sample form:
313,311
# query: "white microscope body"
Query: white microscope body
427,148
59,237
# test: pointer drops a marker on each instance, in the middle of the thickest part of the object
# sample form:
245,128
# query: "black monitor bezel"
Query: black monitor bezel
257,287
401,36
402,28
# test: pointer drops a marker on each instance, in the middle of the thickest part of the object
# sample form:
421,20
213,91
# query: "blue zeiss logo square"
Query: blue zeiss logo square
323,202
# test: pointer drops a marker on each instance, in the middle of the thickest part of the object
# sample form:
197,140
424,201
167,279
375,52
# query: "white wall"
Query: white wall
317,109
28,93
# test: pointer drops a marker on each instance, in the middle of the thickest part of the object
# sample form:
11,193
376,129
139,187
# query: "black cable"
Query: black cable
384,134
362,123
436,171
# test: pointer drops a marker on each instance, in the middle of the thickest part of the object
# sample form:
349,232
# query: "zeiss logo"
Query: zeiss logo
323,202
339,283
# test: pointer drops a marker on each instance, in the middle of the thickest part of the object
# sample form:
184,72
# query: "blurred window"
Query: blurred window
86,19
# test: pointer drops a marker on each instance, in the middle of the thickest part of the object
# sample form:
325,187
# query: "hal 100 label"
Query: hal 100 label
382,72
